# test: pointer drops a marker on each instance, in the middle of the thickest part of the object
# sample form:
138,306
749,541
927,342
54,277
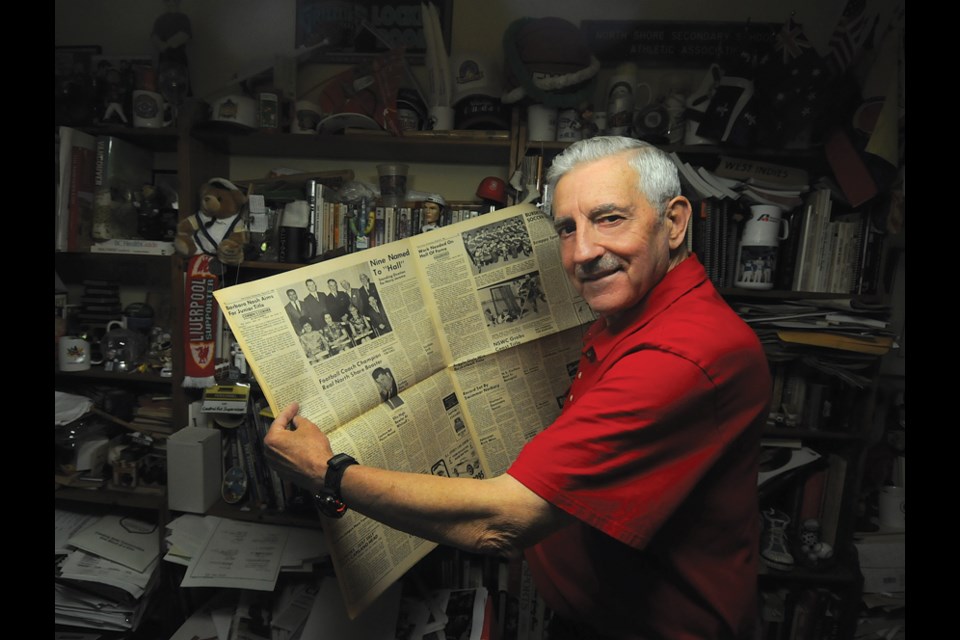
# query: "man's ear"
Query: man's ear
678,214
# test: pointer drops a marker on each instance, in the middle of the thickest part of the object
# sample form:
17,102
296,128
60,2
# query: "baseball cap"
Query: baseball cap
477,86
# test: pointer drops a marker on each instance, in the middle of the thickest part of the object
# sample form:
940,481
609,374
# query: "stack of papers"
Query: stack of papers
105,569
220,552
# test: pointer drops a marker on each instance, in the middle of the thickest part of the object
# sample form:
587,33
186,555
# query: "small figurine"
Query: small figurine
170,34
433,208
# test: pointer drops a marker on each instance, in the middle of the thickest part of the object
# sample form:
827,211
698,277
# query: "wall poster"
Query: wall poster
349,31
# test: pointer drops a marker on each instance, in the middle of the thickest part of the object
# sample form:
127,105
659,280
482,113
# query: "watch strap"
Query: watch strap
328,499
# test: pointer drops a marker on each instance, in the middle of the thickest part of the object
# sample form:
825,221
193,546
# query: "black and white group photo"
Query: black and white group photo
336,314
498,244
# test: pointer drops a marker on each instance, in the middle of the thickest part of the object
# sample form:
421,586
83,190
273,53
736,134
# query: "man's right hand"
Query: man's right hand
297,449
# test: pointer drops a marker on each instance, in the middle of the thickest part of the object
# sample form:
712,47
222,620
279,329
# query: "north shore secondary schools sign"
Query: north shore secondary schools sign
670,44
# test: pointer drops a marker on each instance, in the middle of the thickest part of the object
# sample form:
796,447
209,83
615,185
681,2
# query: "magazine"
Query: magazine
467,343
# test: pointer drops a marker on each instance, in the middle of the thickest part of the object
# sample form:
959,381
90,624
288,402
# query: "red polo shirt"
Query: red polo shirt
655,453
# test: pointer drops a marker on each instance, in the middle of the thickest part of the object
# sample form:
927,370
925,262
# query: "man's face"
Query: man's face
333,286
292,295
613,246
311,286
345,285
385,380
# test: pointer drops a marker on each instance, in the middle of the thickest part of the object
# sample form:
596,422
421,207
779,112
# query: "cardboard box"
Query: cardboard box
194,469
883,562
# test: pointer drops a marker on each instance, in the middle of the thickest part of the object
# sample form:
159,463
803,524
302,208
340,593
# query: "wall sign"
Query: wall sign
670,44
355,30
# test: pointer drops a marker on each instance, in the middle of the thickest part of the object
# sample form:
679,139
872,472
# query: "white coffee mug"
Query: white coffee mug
73,354
150,110
766,226
569,127
542,123
306,117
441,118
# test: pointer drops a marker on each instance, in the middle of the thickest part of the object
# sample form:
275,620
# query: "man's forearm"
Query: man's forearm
497,516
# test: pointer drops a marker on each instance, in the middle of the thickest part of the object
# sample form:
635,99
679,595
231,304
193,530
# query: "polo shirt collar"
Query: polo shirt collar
599,340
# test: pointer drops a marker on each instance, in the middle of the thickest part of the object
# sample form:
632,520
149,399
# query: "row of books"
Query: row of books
354,226
829,249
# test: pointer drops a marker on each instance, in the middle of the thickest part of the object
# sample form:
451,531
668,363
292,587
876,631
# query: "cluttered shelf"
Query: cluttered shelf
100,374
440,147
162,139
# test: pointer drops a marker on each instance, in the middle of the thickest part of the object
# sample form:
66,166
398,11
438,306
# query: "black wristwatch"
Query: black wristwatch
328,499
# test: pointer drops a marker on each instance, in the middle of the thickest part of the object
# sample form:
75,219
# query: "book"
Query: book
73,146
831,511
718,185
134,246
121,170
762,174
80,205
786,200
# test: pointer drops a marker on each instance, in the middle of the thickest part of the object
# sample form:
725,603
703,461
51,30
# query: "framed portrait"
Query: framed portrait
349,31
74,88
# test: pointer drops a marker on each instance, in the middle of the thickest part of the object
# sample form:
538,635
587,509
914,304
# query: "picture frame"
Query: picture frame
74,87
351,31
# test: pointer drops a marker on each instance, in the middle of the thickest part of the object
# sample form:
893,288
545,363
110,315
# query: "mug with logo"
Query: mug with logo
150,110
73,354
569,126
759,245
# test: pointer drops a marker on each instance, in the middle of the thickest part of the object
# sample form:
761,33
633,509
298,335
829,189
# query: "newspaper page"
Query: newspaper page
466,348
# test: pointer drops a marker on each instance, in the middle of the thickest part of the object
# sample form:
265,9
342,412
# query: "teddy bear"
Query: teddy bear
217,228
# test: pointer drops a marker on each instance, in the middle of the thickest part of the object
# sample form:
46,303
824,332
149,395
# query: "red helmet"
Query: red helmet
492,188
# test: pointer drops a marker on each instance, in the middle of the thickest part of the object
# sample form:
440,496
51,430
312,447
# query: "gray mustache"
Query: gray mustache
606,262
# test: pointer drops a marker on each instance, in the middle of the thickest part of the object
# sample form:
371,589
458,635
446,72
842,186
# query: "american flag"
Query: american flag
849,36
791,83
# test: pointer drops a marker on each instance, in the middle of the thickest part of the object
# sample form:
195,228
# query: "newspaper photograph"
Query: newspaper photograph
442,353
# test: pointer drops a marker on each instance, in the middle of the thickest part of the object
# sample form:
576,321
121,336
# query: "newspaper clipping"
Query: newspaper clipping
442,353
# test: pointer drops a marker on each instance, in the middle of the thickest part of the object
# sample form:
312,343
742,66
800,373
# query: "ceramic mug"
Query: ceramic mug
569,126
542,122
766,226
73,354
150,110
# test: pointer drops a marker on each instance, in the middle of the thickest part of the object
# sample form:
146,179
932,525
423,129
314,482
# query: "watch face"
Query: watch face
234,485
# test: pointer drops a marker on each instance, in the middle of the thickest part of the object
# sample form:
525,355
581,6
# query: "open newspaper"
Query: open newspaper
466,343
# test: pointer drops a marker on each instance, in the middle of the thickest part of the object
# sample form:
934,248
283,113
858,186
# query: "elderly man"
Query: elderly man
637,508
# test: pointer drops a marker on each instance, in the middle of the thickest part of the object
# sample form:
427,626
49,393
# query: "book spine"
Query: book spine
101,202
390,224
310,192
254,487
379,226
276,482
80,204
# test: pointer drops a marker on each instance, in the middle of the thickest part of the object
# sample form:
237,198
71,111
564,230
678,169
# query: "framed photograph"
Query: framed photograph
349,31
74,88
116,77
